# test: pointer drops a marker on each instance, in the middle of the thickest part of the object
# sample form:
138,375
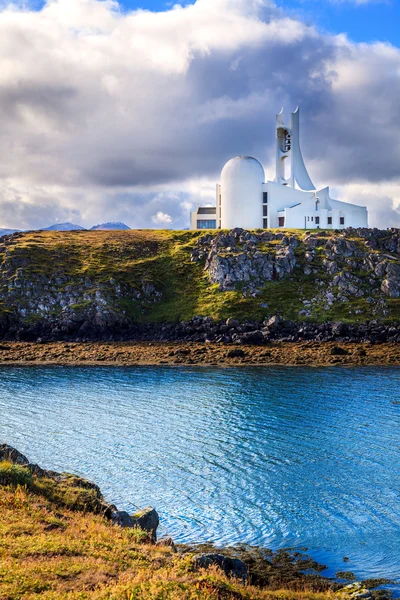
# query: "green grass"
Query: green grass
11,474
68,491
131,259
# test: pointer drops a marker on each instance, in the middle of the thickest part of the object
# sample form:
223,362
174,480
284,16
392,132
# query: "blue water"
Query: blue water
281,457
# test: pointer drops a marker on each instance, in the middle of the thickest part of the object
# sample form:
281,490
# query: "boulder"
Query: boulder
338,351
360,352
273,322
167,542
122,519
253,337
147,520
338,329
97,502
232,567
354,591
232,323
236,353
10,454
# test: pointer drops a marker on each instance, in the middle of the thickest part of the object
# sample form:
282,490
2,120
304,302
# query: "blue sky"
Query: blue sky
371,21
374,20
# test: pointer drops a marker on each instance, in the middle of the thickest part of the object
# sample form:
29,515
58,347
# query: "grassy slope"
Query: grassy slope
49,551
163,258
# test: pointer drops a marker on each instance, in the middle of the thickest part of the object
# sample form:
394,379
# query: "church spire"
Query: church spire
288,147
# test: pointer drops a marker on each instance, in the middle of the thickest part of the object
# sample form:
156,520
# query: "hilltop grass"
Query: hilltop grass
50,552
67,491
162,258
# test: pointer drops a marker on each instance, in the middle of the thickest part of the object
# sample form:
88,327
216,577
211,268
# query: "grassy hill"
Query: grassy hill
157,276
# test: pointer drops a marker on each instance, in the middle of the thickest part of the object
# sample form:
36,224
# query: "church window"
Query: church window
207,224
265,210
265,197
281,221
265,223
312,218
317,220
329,220
342,220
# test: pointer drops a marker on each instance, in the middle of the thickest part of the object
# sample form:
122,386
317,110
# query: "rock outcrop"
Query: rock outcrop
236,258
52,288
147,519
252,259
233,567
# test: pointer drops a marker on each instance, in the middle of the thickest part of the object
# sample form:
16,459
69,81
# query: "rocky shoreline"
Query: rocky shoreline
229,331
306,353
258,567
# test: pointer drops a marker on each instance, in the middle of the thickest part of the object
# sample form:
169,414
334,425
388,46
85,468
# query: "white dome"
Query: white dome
241,165
242,181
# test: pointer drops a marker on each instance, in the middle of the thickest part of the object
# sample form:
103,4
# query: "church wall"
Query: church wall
280,197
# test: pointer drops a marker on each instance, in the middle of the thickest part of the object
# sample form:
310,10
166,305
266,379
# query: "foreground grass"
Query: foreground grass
48,551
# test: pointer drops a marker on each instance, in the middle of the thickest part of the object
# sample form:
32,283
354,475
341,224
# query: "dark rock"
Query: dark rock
232,323
235,353
360,352
122,518
338,351
339,329
8,453
252,337
273,322
167,542
232,567
147,520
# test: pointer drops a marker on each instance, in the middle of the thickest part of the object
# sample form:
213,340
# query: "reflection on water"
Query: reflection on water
272,456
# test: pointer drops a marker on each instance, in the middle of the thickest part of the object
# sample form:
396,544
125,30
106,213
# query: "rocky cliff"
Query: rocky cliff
83,285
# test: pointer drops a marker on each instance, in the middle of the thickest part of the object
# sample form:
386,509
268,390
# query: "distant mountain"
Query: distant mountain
110,226
64,227
8,231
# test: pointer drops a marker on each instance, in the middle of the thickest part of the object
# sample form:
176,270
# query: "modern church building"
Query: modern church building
245,199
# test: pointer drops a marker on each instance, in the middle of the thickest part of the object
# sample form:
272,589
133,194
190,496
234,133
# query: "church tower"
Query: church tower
288,150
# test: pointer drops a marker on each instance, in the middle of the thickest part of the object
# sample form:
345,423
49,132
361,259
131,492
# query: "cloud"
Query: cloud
112,115
383,201
161,218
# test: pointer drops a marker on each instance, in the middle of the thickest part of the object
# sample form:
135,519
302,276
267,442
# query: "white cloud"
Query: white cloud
161,218
109,115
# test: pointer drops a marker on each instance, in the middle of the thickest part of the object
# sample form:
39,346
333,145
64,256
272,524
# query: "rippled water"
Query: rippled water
280,457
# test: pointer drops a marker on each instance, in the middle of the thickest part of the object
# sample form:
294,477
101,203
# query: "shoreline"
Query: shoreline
266,569
275,354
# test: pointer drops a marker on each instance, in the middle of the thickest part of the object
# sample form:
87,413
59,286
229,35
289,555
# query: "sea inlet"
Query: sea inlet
277,457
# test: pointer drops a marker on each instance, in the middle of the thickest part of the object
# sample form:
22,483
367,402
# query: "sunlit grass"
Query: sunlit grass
129,259
53,553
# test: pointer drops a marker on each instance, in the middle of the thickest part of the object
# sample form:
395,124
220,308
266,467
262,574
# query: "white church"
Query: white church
245,199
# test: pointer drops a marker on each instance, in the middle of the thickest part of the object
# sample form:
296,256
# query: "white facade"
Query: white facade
242,180
245,200
204,217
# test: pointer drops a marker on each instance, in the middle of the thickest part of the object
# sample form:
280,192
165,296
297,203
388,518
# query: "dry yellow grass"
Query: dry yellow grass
55,554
